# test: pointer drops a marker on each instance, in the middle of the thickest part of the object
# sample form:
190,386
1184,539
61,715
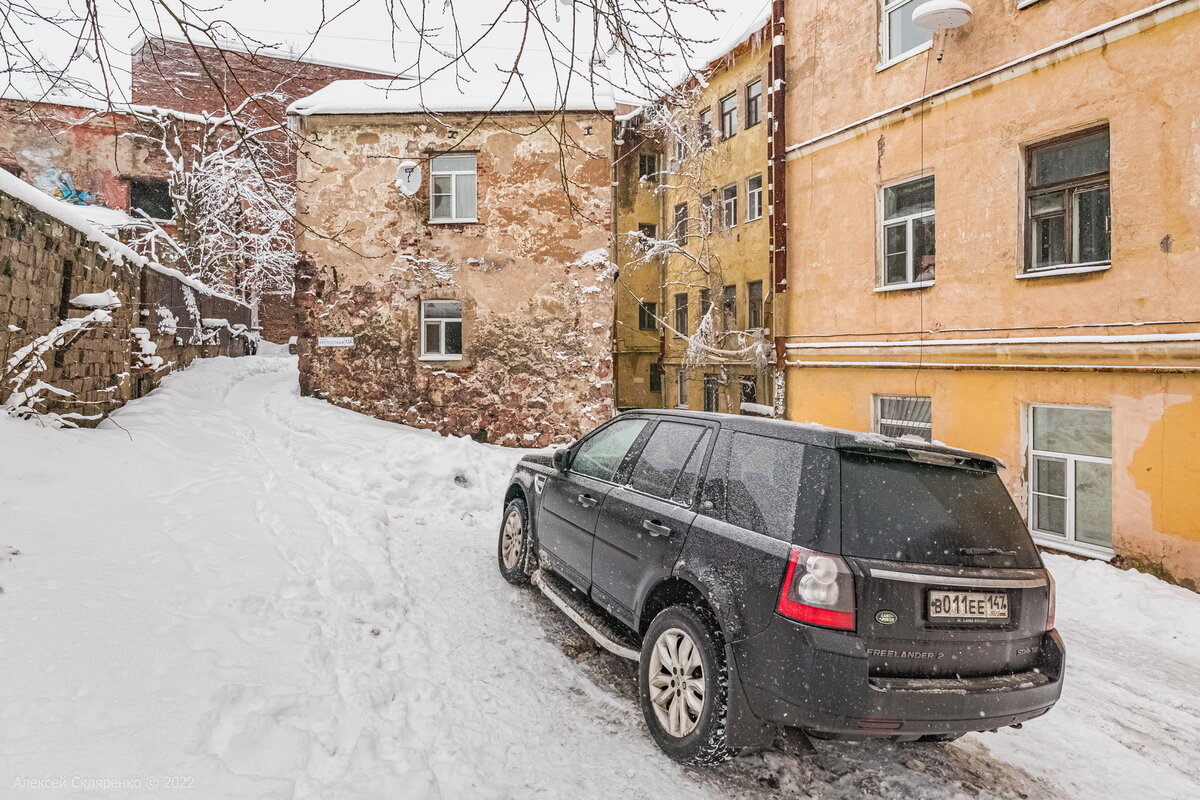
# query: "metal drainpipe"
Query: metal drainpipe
777,177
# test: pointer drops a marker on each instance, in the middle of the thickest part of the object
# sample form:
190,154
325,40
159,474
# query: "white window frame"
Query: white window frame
886,57
878,420
1067,542
681,391
453,173
751,202
885,222
426,355
729,216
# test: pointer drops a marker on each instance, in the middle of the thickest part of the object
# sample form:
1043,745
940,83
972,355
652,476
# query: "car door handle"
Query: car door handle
656,528
586,500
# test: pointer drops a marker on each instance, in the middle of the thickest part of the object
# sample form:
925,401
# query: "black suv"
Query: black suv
768,573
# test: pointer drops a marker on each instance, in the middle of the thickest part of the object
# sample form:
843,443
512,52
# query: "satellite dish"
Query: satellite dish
941,15
408,177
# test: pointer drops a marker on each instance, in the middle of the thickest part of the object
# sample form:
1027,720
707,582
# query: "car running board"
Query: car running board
583,613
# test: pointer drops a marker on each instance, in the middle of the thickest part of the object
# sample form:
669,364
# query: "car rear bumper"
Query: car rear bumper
817,679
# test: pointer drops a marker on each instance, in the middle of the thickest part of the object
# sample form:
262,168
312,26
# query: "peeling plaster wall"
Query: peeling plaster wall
537,316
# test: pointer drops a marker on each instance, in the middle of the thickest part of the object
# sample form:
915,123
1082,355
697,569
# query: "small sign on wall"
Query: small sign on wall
335,341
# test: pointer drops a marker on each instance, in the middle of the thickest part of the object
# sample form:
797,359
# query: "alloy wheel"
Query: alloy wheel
677,682
512,537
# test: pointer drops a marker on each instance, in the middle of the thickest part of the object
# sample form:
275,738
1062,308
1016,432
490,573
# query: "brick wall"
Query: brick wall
45,262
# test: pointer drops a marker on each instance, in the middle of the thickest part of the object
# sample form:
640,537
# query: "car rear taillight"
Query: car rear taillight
1050,601
818,589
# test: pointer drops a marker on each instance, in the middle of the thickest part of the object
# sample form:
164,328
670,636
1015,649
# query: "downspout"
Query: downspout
777,197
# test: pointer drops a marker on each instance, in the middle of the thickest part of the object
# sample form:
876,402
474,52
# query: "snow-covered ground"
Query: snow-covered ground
257,595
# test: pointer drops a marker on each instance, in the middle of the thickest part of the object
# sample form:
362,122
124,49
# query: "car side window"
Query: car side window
664,458
763,485
689,479
601,454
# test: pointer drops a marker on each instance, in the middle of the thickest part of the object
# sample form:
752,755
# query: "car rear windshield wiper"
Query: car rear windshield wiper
985,551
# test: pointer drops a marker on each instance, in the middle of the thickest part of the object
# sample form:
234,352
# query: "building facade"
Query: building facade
694,297
459,262
994,243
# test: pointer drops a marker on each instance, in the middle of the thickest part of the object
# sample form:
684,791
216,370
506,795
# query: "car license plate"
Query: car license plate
968,605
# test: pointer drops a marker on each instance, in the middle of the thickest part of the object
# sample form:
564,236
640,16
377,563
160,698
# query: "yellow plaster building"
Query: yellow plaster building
994,243
693,176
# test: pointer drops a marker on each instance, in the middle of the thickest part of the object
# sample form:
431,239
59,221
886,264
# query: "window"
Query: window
753,198
452,179
754,305
600,455
729,307
901,36
681,389
903,415
749,388
681,224
706,128
729,198
441,330
1071,475
648,316
1069,211
681,314
660,467
763,485
706,214
712,392
705,301
656,377
900,510
753,104
648,167
649,232
152,197
729,115
908,232
681,144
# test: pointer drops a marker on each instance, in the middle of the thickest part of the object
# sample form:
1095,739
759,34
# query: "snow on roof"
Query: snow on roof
286,52
544,82
741,29
78,217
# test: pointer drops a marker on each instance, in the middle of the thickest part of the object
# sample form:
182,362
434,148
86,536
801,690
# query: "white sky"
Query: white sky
361,34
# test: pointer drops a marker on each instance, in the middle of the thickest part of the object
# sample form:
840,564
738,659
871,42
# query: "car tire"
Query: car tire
670,692
516,541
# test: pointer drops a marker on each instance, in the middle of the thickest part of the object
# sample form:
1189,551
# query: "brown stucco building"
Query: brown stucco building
458,261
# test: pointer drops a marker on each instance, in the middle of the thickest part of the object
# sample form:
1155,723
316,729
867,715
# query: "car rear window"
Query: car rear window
899,510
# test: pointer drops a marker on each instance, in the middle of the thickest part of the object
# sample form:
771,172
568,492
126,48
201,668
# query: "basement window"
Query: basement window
453,189
903,415
1070,469
441,330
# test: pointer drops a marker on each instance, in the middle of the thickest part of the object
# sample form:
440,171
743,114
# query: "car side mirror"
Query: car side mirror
562,459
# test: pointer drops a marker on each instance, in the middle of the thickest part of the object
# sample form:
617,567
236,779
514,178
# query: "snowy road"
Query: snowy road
256,595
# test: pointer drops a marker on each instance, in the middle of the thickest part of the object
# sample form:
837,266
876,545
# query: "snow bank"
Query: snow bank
108,299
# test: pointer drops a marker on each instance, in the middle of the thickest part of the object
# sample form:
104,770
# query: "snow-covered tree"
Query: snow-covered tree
234,201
